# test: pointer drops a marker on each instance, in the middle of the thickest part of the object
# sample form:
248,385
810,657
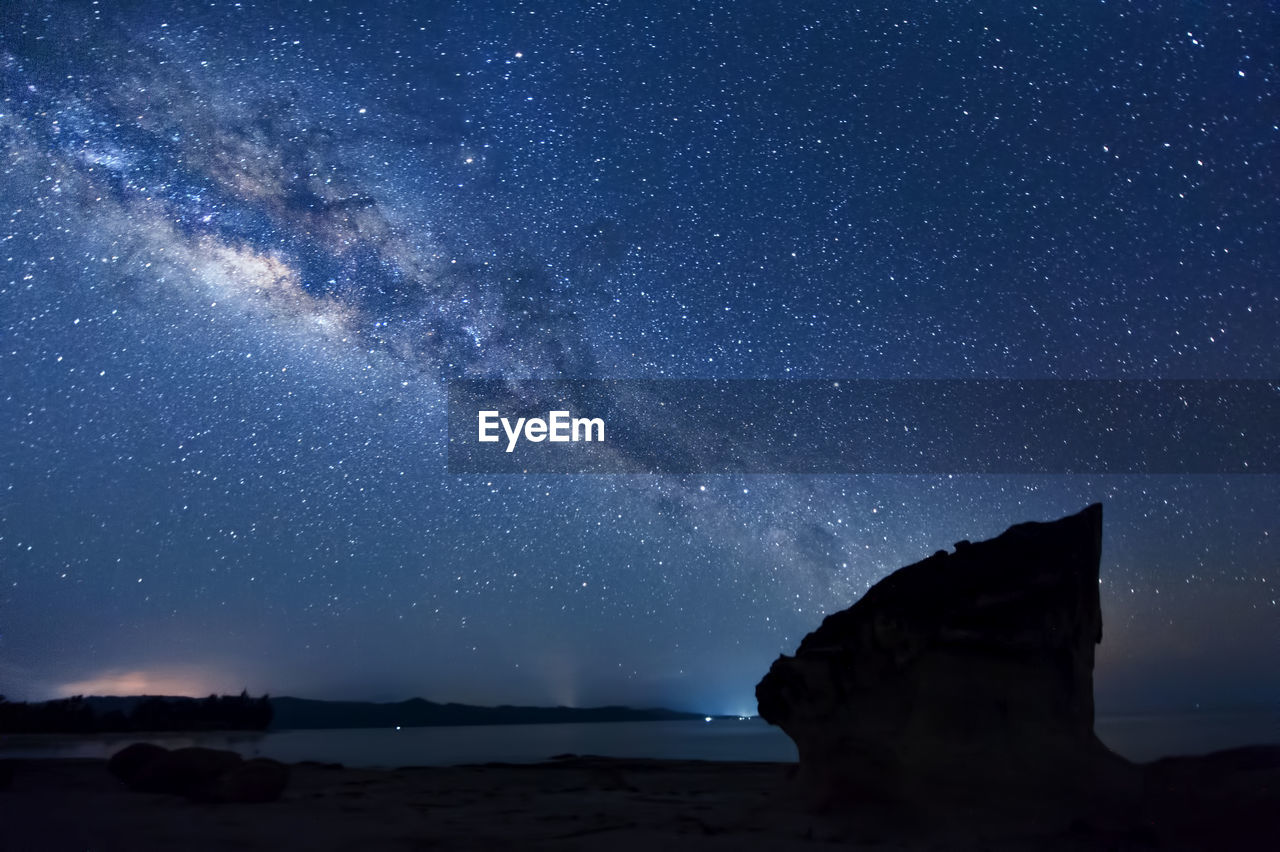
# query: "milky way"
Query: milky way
244,249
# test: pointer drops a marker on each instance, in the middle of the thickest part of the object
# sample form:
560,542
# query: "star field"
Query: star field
244,247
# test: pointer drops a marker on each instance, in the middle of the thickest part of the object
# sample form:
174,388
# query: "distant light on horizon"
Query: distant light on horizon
125,683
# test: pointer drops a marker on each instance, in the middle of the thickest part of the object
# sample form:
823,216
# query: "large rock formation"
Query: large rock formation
965,675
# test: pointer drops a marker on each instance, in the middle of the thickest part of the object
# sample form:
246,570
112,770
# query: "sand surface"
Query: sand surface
568,804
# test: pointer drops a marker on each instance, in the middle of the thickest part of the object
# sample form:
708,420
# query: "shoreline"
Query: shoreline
1139,737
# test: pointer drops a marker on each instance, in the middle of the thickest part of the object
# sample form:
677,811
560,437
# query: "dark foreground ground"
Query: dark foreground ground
598,803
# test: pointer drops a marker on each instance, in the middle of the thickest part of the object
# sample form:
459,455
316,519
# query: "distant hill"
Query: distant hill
418,712
93,714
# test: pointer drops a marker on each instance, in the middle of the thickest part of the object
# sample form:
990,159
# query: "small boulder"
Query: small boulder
190,772
202,774
130,762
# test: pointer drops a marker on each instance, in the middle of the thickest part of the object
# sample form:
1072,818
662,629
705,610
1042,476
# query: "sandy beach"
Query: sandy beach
568,804
582,803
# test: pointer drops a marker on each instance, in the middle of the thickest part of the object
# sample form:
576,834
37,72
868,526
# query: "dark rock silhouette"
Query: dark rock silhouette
967,676
202,774
186,771
131,762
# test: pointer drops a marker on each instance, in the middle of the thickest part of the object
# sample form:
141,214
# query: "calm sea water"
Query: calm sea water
1139,738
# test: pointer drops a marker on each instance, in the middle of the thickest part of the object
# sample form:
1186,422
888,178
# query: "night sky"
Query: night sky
244,247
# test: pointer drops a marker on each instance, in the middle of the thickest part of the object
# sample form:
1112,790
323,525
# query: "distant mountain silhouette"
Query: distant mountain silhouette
92,715
418,712
104,714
